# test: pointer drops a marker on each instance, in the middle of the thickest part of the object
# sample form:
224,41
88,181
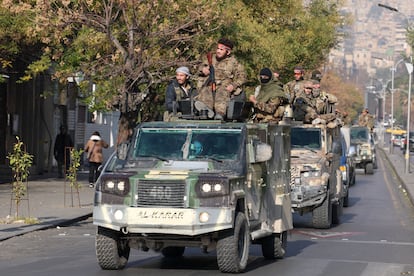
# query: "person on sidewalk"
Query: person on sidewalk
61,151
94,148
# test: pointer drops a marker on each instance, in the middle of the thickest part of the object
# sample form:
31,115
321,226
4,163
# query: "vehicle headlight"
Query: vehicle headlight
115,186
218,187
214,186
206,188
121,185
311,174
110,184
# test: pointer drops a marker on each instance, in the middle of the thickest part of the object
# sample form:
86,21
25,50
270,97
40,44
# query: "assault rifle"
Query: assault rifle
212,77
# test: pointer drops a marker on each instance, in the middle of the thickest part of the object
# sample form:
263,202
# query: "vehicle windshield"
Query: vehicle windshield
187,144
306,138
205,148
359,134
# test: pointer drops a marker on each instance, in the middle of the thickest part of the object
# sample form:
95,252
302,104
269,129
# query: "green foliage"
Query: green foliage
72,175
130,48
283,34
20,163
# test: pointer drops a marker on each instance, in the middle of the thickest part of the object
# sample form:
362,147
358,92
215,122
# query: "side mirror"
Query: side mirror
263,152
121,151
352,151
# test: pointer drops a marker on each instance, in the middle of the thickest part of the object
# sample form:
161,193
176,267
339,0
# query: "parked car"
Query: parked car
403,144
396,140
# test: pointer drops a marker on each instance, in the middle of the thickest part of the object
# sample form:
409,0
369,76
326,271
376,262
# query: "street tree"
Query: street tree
128,48
124,47
284,34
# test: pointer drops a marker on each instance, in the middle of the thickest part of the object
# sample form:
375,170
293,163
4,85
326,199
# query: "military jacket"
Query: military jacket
293,89
227,71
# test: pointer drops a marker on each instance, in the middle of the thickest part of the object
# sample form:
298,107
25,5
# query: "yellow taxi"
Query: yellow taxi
396,130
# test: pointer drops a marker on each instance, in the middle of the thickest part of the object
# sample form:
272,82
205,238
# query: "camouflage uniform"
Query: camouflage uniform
366,119
323,101
304,108
227,71
293,89
270,102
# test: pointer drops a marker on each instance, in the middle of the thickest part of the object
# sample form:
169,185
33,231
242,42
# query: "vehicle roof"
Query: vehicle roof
209,124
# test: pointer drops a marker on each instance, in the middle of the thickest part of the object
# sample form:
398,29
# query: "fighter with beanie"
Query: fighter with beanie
180,88
270,99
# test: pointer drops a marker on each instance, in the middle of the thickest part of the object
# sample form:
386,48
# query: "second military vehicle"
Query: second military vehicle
316,179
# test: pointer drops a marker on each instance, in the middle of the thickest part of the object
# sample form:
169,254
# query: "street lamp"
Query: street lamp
407,150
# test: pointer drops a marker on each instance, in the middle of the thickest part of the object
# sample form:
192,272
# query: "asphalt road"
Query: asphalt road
375,237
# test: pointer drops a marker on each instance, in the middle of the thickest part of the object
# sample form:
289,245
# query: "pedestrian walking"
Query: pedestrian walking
93,148
61,151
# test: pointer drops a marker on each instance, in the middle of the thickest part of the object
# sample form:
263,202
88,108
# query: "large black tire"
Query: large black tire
274,246
112,252
369,168
346,198
352,182
233,250
322,215
337,210
173,251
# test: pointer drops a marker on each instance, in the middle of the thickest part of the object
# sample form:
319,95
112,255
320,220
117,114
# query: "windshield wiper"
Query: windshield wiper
154,156
210,158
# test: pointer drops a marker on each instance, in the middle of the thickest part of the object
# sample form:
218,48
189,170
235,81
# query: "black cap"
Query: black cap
226,42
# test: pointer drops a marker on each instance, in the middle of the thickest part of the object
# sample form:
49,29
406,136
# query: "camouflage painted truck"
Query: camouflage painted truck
206,184
316,179
363,149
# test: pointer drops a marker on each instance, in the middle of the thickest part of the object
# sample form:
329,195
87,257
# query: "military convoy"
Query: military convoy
206,184
193,182
316,179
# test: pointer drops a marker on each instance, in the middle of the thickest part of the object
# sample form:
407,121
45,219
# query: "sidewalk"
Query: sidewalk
50,201
397,162
53,207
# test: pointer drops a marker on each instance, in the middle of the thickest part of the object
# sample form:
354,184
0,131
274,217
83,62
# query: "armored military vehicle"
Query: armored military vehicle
316,179
205,184
363,149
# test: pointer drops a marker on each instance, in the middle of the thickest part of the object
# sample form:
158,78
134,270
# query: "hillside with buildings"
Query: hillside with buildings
376,38
373,43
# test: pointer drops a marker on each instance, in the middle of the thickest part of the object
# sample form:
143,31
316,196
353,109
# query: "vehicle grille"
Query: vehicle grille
169,193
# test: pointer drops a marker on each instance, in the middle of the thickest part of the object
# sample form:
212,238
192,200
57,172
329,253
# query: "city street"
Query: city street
375,237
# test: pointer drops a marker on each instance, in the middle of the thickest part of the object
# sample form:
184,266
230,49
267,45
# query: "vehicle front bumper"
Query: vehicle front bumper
162,220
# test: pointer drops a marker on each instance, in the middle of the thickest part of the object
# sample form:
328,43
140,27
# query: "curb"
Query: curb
54,224
400,180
